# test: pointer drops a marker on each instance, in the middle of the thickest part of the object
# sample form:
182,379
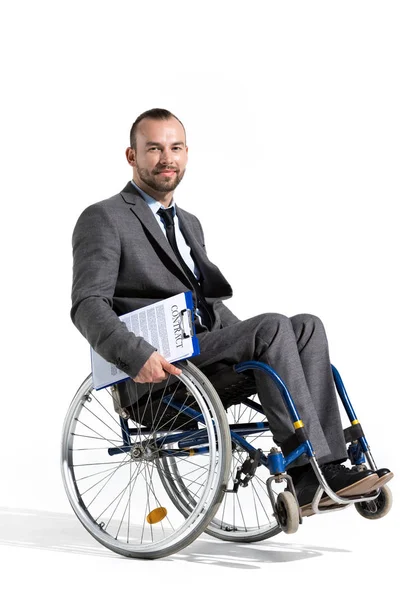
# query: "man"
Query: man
139,247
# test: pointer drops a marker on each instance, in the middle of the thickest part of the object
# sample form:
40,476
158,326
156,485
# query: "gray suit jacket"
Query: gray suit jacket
123,261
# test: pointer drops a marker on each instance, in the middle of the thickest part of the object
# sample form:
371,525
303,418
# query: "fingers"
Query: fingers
170,368
152,377
155,370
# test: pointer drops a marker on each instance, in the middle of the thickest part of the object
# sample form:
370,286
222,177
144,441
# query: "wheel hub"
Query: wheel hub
139,452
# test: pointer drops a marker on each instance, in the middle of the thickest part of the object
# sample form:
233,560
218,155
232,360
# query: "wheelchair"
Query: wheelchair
194,454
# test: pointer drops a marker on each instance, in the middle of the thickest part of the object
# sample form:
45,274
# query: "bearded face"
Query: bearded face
163,178
160,156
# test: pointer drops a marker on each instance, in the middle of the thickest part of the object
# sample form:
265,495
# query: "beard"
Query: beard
157,183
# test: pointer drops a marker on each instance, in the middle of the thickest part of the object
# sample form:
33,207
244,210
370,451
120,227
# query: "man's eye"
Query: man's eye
177,148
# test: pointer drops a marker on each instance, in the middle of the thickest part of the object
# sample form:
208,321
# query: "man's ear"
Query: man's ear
130,156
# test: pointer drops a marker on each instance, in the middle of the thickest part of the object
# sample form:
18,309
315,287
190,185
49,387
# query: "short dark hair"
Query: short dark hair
158,114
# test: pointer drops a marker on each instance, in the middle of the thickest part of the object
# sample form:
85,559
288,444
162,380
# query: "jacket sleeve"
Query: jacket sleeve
96,259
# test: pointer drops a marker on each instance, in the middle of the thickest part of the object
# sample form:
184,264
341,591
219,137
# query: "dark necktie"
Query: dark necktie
167,217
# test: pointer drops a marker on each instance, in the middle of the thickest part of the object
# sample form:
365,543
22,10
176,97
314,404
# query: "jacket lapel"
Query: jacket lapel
215,284
139,207
214,281
199,256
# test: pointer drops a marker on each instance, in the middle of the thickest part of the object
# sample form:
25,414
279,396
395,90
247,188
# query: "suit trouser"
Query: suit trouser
297,349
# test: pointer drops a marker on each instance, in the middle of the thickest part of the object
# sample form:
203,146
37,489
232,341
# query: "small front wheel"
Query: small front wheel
287,512
378,508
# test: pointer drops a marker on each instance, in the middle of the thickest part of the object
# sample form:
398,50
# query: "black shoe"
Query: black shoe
343,481
347,482
305,484
384,475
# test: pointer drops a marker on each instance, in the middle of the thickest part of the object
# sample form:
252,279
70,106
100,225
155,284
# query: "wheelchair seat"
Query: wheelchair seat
233,388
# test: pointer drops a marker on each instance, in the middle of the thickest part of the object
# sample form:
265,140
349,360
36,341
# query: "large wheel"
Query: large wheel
245,516
112,468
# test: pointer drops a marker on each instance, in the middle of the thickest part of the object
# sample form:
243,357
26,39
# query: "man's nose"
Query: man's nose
166,156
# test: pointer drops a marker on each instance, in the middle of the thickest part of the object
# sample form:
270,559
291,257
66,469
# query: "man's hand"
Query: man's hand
155,370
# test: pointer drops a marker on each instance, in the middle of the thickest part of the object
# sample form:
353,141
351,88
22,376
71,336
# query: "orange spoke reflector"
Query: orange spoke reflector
156,515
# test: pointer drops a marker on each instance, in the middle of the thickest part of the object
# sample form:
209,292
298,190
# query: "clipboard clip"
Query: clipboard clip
186,323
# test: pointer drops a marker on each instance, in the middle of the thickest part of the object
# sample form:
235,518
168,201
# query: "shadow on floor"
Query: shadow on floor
62,532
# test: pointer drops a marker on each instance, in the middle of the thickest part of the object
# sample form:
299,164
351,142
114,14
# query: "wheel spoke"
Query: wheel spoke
101,420
131,509
102,479
247,514
115,497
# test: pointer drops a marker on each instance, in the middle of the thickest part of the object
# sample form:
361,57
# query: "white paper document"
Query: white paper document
167,325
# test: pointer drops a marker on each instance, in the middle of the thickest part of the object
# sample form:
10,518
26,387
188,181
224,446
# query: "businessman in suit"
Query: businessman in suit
139,247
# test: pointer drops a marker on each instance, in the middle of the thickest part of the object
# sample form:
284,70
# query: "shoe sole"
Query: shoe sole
368,484
384,479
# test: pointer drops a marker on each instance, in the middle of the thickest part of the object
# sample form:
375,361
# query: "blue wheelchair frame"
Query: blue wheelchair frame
171,427
196,442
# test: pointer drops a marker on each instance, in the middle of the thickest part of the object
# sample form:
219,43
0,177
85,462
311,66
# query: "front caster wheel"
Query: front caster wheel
378,508
287,512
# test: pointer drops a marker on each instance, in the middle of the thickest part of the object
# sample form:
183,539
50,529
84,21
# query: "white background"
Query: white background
292,118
